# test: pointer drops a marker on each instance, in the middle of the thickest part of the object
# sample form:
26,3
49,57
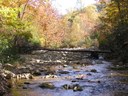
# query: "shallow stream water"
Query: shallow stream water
96,79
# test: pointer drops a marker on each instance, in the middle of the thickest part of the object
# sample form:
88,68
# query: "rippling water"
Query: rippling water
103,82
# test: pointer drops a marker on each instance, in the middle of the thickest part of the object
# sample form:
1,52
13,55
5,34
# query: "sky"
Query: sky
64,6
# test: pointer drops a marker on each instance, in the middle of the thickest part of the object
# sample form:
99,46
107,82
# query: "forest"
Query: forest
30,25
27,24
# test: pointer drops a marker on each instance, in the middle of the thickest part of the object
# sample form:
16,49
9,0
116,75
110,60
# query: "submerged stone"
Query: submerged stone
66,86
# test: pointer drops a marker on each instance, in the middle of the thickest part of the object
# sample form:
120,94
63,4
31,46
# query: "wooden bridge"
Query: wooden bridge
78,50
94,53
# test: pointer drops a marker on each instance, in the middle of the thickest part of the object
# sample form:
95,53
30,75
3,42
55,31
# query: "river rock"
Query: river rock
8,74
89,74
63,72
98,62
101,58
80,77
36,73
50,76
9,67
74,80
74,87
24,76
93,70
98,81
23,69
77,87
25,87
48,85
65,65
49,72
94,81
66,86
27,83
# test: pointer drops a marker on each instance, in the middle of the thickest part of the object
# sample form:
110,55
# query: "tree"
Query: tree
15,33
81,24
113,26
50,25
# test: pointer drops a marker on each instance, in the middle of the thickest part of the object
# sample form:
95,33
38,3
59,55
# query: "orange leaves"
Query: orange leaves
49,25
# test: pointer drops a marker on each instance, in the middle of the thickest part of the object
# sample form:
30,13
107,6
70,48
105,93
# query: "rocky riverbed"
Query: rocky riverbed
77,80
45,73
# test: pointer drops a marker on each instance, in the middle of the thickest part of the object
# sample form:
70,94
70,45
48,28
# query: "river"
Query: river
96,79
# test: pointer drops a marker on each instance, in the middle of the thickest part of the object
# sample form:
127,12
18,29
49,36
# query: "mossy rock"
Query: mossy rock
47,85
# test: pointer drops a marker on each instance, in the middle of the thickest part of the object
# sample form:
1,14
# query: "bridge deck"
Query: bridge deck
79,50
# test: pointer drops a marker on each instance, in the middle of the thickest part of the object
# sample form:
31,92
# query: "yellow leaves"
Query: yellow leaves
8,12
22,1
83,23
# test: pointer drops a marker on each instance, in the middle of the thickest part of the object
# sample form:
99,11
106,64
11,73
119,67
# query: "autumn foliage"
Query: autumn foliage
30,23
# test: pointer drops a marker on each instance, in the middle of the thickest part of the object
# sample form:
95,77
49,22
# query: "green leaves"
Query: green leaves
14,32
9,16
113,28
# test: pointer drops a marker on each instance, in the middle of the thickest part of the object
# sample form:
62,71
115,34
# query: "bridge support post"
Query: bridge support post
94,55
